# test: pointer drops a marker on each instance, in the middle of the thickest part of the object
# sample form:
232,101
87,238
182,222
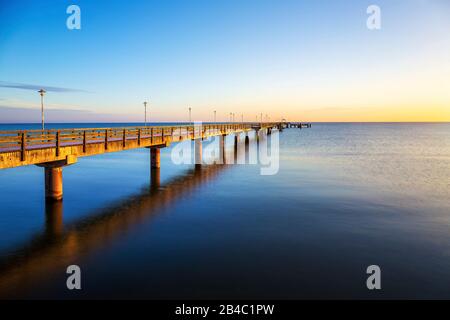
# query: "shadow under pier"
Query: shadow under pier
59,246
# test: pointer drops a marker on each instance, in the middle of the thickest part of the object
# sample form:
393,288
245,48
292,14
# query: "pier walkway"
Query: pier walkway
54,149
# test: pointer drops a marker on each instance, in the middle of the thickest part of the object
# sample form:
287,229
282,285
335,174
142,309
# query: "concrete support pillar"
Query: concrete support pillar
53,178
253,149
155,165
53,183
236,142
198,152
222,149
241,150
247,148
155,158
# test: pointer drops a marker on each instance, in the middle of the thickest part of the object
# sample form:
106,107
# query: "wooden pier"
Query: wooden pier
55,149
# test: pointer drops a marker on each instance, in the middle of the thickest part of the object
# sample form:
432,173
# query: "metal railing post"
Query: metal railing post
23,146
106,139
84,141
57,142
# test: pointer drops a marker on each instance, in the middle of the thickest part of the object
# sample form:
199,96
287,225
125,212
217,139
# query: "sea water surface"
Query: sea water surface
346,196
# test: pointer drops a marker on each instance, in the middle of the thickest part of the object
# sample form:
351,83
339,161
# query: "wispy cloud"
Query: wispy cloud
33,115
23,86
21,103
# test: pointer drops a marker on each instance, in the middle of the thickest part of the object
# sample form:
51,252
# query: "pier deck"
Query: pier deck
55,149
19,148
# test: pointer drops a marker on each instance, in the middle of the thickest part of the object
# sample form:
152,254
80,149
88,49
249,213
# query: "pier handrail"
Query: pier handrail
51,138
54,149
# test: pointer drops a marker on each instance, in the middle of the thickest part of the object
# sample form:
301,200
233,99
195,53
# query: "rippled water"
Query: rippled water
347,196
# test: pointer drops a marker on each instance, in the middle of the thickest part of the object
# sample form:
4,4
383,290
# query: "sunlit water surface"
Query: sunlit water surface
346,196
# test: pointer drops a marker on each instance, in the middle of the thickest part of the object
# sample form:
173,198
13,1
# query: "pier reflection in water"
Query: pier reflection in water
54,226
347,196
59,246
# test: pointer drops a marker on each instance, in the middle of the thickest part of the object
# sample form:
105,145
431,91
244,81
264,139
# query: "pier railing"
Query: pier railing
57,148
55,138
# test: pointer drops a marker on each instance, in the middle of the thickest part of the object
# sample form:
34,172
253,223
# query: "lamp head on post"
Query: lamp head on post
41,93
145,113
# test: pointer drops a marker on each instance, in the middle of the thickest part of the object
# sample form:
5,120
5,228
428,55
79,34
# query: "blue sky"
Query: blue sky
304,60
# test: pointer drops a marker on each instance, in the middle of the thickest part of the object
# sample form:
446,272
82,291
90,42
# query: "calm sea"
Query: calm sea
347,196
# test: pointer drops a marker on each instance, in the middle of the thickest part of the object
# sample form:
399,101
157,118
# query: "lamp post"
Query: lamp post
145,113
190,119
242,118
231,116
215,116
42,92
261,117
